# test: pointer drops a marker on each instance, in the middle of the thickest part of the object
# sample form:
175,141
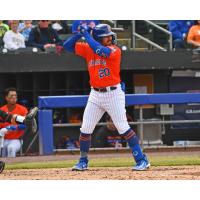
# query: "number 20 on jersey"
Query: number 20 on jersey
104,72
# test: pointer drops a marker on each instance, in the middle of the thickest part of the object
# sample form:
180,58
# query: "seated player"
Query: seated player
13,133
28,120
108,136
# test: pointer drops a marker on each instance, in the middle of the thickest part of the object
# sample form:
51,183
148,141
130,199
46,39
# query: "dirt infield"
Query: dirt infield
120,173
156,172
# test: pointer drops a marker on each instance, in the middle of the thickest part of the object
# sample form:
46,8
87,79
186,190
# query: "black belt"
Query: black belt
104,89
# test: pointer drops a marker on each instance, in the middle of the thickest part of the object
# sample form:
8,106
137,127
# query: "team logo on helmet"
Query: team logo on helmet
109,28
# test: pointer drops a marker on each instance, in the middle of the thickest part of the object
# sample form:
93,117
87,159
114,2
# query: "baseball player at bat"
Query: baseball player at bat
103,59
29,122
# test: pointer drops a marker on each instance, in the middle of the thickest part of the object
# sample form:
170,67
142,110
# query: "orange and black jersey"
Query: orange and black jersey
103,71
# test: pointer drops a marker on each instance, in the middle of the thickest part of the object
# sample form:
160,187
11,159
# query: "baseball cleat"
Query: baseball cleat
2,166
142,165
82,165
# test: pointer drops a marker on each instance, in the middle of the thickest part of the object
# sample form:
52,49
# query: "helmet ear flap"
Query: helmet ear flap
114,39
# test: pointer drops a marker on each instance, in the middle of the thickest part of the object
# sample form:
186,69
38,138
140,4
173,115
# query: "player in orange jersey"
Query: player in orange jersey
103,59
24,119
12,142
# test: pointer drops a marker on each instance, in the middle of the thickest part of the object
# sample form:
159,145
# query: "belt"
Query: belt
105,89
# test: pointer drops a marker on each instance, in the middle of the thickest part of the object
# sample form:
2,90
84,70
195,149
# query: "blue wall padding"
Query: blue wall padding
131,99
45,122
50,102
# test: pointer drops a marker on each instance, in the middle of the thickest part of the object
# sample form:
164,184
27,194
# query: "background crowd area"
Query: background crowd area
42,35
48,35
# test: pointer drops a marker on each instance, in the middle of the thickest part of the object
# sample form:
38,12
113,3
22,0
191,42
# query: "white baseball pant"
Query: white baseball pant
11,147
112,102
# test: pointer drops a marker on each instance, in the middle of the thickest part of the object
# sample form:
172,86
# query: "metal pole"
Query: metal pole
33,140
134,123
163,30
163,126
115,23
133,35
158,27
1,145
149,42
141,126
170,42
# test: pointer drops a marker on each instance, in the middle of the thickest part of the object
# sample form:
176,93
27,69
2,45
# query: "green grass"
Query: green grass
110,162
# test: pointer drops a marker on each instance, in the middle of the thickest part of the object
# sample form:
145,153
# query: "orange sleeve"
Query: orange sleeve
3,108
24,111
81,49
191,34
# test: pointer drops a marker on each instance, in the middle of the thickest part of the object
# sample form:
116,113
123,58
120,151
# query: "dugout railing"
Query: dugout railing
48,103
152,43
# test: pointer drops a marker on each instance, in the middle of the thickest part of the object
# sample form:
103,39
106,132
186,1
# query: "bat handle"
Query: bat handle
1,145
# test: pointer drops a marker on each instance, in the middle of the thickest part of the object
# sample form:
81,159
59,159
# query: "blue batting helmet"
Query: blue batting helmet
103,30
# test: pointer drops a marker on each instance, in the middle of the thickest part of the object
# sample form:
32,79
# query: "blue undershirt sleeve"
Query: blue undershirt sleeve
96,46
69,44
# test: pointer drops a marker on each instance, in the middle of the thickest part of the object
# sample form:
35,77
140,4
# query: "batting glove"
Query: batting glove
83,29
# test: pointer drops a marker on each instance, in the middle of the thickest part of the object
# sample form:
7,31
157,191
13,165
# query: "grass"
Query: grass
109,162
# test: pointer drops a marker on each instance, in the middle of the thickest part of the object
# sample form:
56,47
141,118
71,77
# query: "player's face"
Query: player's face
11,98
106,41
